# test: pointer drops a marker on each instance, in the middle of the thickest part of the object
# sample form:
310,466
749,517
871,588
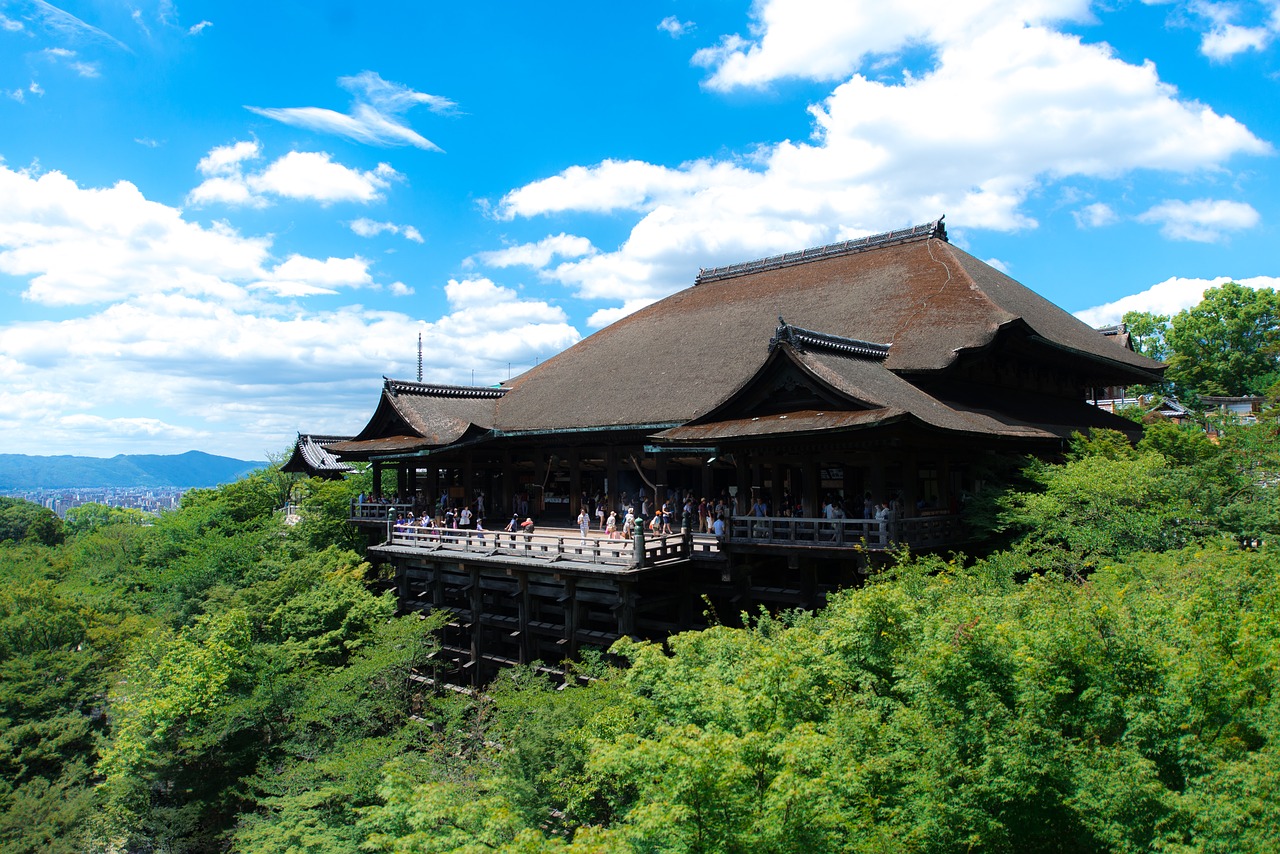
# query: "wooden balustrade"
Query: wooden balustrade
377,511
874,534
540,546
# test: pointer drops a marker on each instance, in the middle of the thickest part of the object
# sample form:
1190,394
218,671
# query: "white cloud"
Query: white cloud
302,175
1227,41
1006,106
1203,220
302,276
1168,298
539,254
674,27
827,40
369,228
68,27
1096,215
998,264
67,57
227,159
400,289
376,113
313,175
603,317
172,335
1225,37
196,29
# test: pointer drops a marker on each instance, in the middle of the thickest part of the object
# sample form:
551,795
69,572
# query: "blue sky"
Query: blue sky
221,224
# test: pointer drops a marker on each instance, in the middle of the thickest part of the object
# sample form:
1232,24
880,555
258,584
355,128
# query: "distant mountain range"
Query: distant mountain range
192,469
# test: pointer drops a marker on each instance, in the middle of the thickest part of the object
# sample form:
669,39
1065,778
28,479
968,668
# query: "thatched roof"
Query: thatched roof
680,357
893,314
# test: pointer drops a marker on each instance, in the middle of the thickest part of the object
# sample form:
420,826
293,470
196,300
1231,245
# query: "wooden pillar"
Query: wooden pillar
626,608
744,472
570,617
660,479
575,483
877,486
812,488
522,618
501,507
614,486
468,478
477,642
776,470
377,478
910,483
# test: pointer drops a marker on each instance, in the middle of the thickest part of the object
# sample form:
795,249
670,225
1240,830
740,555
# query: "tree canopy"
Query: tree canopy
1227,344
1102,678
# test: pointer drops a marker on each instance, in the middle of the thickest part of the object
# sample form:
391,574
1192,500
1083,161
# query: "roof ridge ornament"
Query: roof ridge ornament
398,387
804,340
935,230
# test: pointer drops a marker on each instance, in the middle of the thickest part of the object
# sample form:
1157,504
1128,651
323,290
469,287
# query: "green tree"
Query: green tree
85,518
1147,333
25,521
1228,344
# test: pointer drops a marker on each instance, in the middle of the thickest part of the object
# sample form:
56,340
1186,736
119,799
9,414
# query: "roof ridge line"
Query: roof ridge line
440,390
802,339
924,231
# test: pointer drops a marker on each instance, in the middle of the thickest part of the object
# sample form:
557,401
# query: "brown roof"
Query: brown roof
862,382
420,416
682,356
311,456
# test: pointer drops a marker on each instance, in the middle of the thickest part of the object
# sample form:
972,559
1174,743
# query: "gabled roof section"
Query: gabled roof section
849,393
311,456
806,339
1118,333
418,416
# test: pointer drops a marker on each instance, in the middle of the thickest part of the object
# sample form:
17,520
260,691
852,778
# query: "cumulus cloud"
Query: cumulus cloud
1168,298
302,276
604,316
369,228
1225,36
1005,106
301,175
1203,220
375,116
196,29
539,254
202,327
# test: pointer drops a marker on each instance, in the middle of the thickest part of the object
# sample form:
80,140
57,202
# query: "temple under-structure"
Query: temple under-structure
837,401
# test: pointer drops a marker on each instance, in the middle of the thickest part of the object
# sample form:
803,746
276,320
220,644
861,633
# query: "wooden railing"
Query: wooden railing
553,546
917,532
377,511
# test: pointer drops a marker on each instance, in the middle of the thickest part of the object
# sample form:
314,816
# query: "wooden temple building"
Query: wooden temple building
895,368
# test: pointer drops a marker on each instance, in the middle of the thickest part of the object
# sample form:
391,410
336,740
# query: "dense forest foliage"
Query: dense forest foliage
1103,678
